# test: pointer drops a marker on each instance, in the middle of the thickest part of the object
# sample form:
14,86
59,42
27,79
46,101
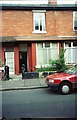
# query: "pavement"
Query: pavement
17,83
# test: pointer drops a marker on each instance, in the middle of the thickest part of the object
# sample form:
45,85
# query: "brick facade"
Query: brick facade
16,23
17,28
20,23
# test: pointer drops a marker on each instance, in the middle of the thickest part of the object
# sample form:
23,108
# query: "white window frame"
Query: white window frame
47,48
66,46
51,45
74,20
38,12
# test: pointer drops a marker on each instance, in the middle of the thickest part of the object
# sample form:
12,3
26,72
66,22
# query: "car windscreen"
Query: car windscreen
72,70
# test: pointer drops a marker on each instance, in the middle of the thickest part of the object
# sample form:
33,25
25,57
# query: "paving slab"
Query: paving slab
19,83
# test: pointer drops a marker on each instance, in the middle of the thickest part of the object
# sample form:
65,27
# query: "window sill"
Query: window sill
74,30
40,32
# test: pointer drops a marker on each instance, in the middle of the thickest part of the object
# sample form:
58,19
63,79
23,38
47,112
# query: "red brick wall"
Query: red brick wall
64,23
20,23
16,23
59,23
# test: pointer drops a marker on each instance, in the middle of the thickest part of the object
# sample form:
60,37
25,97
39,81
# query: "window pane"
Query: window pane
53,53
36,25
68,44
75,43
47,44
39,45
10,60
39,21
75,20
44,56
43,21
75,13
39,55
40,24
75,25
54,44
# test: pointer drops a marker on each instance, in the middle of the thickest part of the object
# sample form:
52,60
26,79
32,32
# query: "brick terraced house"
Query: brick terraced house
33,34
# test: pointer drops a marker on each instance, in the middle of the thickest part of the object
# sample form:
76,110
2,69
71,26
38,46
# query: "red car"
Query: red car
64,82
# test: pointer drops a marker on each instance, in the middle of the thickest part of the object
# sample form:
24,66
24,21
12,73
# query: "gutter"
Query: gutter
38,7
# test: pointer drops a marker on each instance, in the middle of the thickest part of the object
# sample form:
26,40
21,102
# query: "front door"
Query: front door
9,57
23,59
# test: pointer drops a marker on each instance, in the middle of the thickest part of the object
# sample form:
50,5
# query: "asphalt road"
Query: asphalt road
38,103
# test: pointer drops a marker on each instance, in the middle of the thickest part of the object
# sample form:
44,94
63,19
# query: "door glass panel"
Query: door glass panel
10,61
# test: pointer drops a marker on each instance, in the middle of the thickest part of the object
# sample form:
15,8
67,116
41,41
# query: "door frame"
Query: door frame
23,55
